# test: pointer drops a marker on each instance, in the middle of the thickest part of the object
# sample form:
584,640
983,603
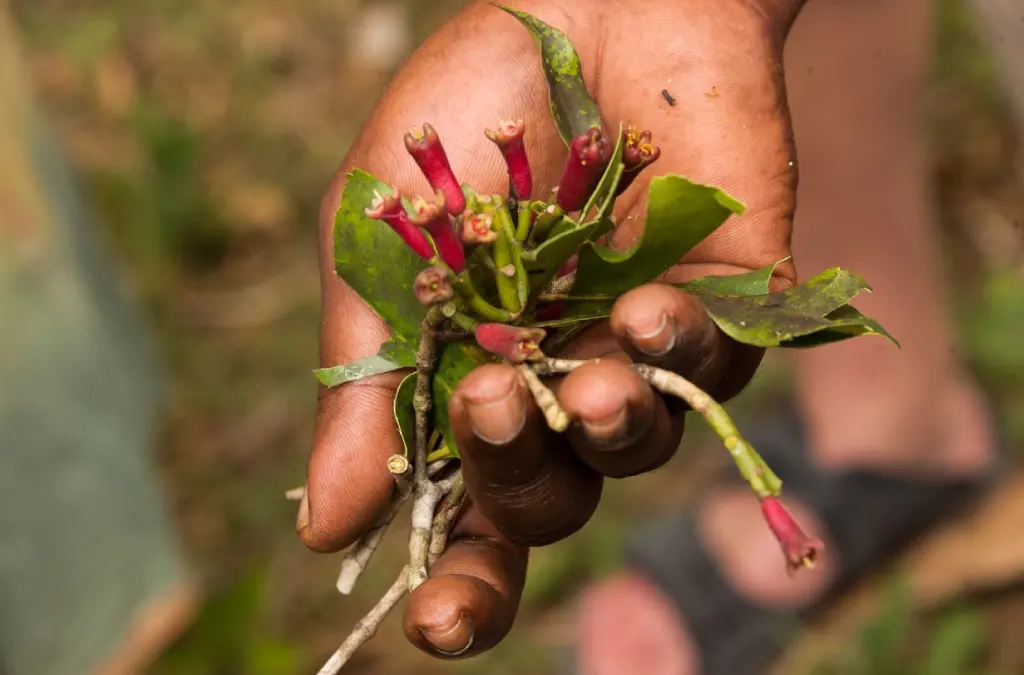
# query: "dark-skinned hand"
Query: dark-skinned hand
721,60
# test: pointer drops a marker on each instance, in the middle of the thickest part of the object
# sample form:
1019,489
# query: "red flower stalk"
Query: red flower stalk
433,217
637,153
583,168
515,343
425,147
433,286
389,209
799,549
509,139
478,228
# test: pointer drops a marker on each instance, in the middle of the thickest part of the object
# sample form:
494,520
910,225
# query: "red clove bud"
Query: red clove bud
515,343
388,208
799,549
425,147
433,286
509,139
583,168
478,228
433,217
637,153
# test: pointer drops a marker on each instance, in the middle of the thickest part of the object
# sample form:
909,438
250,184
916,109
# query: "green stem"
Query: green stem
506,285
520,281
751,466
556,297
465,322
561,323
545,222
525,220
477,303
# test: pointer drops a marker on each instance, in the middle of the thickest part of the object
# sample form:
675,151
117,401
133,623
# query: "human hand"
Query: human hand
721,60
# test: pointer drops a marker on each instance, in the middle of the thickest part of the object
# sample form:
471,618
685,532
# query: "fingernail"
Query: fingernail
302,520
497,417
454,640
656,338
607,429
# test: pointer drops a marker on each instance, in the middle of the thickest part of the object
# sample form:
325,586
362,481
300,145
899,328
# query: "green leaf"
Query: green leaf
374,261
572,107
844,323
455,362
603,195
542,263
405,414
393,355
779,319
680,214
955,644
748,283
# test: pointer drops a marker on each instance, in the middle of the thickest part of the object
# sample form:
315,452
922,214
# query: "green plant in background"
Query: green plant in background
891,644
464,278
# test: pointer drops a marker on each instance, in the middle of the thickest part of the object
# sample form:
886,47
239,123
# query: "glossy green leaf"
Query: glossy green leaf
749,283
680,214
374,261
572,107
790,317
603,195
456,361
405,414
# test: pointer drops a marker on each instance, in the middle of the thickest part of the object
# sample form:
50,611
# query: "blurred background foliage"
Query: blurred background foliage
206,132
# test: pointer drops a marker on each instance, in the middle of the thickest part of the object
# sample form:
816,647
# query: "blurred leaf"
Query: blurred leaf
405,414
374,261
268,656
572,107
779,319
955,643
884,638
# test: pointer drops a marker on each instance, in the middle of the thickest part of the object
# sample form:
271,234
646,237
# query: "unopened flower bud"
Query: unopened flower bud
388,208
637,153
515,343
433,286
478,228
433,217
509,139
426,149
583,168
799,549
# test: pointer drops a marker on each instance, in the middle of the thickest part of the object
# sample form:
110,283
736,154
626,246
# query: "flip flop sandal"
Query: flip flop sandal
870,519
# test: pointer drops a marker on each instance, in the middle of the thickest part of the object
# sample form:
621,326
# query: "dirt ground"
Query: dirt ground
207,131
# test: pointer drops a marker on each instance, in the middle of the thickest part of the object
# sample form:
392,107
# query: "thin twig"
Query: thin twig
445,517
556,417
750,464
368,625
426,493
355,561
